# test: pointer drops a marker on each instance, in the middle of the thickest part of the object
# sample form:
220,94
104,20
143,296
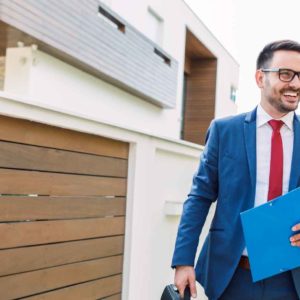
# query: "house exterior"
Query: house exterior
104,107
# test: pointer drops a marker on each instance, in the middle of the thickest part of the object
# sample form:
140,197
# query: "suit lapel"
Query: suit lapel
250,143
295,167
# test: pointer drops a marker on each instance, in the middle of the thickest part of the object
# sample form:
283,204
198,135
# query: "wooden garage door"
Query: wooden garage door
62,213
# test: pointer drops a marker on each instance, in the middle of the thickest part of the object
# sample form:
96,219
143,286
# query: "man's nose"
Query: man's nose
295,82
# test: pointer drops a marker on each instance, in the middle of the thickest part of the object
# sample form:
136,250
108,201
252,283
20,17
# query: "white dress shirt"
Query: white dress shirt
263,154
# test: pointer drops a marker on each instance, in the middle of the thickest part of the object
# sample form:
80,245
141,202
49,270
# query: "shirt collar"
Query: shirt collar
263,117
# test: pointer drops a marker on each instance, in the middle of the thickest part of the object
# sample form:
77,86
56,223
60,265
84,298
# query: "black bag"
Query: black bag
171,293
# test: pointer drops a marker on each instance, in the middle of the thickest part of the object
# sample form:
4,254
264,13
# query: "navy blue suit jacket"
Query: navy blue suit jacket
227,173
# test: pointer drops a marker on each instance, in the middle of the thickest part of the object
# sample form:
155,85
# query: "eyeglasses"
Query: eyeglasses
285,75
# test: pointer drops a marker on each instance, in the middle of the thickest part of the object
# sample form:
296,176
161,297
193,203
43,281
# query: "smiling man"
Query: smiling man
248,159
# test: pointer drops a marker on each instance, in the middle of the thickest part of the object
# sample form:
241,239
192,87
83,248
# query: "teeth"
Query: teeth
290,94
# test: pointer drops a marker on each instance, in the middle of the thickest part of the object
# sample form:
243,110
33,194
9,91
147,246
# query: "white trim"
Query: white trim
21,107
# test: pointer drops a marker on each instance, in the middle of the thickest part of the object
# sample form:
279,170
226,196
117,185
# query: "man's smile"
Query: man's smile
291,96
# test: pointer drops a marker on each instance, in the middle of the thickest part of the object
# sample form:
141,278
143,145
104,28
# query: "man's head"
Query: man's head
265,56
277,75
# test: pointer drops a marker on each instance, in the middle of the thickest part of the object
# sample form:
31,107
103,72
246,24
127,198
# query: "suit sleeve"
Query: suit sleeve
204,191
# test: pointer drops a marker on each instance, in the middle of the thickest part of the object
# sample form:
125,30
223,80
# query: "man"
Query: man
248,160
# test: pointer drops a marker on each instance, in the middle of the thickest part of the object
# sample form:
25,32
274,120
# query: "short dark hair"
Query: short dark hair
266,54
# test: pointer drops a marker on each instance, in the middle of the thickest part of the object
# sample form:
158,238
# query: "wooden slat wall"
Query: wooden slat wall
2,71
200,99
114,297
88,290
40,135
62,213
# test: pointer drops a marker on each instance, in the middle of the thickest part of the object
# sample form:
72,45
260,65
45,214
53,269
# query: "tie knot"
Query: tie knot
276,124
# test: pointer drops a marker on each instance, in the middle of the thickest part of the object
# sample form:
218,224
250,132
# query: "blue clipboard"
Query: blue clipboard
267,230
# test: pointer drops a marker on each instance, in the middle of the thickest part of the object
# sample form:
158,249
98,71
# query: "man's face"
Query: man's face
278,96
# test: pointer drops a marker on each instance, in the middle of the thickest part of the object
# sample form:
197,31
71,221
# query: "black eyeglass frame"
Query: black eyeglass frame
278,70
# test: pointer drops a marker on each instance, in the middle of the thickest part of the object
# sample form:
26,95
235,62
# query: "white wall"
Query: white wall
50,81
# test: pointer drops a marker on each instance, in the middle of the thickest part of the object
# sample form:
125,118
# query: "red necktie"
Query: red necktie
276,165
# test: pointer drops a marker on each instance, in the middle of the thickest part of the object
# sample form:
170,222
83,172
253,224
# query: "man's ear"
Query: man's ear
259,77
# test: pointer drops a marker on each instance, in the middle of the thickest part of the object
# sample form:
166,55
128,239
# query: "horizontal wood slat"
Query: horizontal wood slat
39,257
113,297
2,72
87,291
24,131
32,182
43,232
49,208
19,156
30,283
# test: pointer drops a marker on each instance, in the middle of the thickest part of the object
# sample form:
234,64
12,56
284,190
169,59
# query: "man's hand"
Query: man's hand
295,239
185,275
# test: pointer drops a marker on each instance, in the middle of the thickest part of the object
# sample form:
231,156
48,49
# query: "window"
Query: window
165,58
154,26
233,94
109,18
